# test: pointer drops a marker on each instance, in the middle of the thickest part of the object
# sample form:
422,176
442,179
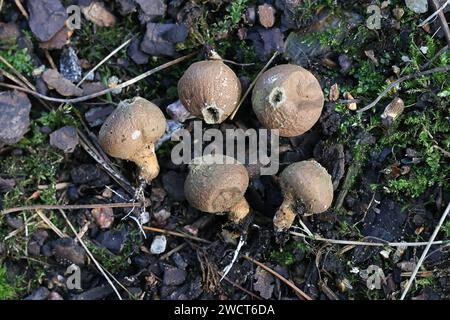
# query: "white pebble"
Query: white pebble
158,245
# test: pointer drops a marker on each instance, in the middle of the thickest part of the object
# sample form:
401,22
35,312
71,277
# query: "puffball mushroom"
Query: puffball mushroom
288,98
210,90
217,184
130,133
307,184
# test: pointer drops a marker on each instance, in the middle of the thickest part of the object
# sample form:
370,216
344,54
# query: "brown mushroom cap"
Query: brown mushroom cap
210,90
288,98
213,187
130,132
309,182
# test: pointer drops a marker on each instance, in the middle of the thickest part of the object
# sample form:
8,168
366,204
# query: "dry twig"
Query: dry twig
250,87
106,91
402,79
73,207
425,251
442,19
279,276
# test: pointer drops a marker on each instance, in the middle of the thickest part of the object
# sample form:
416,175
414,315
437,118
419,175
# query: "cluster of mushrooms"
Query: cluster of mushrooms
286,97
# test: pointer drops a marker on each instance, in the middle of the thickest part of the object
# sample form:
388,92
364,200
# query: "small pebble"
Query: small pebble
158,245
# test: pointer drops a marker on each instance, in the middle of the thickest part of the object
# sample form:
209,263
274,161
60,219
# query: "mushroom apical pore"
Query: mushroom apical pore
217,184
288,98
130,133
210,90
306,184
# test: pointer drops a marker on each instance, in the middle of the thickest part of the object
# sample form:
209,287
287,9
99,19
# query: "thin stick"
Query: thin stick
400,80
442,19
21,8
437,55
73,207
103,92
97,264
435,13
425,251
171,252
253,84
49,223
176,234
279,276
50,60
104,60
17,73
112,172
368,244
240,287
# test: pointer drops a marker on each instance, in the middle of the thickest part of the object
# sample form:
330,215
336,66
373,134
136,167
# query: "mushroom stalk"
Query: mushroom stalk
239,211
285,216
147,163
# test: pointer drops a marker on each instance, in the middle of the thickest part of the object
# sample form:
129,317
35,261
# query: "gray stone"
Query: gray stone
173,183
47,17
160,38
418,6
65,139
14,116
40,293
174,276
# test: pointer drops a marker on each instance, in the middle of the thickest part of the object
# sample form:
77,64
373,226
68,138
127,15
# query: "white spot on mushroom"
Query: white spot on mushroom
136,134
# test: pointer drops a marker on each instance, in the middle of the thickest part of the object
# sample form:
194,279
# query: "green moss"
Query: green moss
20,59
7,290
286,256
112,262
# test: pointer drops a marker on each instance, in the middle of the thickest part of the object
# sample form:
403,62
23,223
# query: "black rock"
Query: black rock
266,41
179,261
174,276
2,249
344,62
150,10
330,120
160,38
333,159
41,86
126,6
136,54
96,116
40,293
173,183
69,65
89,174
67,252
65,139
14,116
47,17
95,293
6,184
113,240
141,261
72,193
37,240
14,221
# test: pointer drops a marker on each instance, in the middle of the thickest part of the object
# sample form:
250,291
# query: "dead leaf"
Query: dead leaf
64,87
98,14
264,283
